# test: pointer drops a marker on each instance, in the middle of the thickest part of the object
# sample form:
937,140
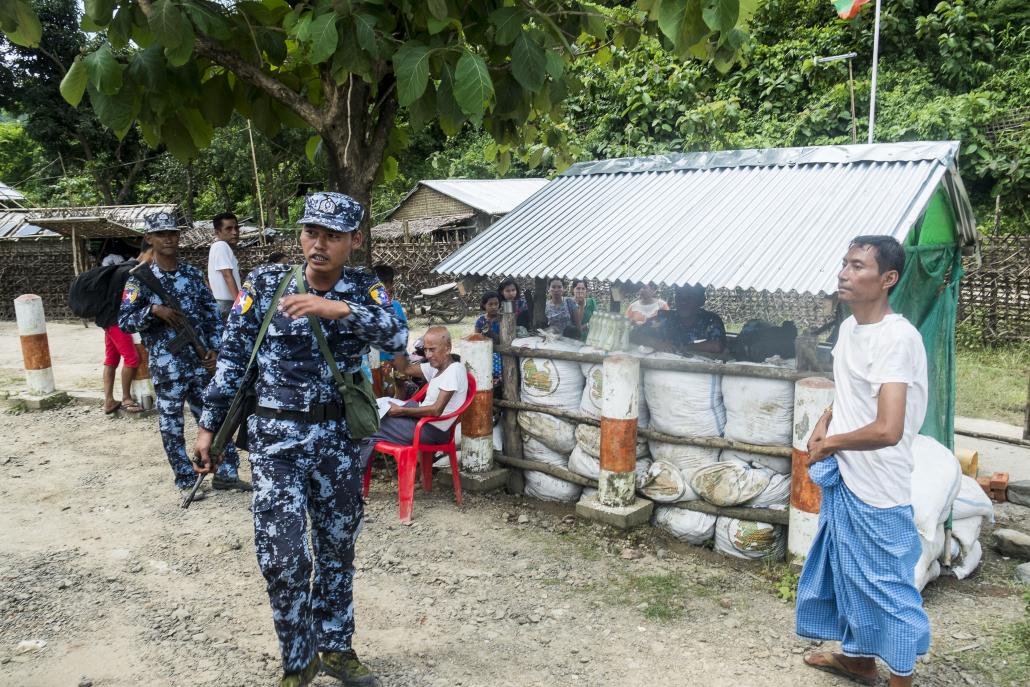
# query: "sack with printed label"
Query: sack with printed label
588,438
751,540
684,404
548,382
553,432
730,483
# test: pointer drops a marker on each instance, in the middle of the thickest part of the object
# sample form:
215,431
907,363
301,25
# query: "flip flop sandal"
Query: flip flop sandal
835,667
132,407
113,410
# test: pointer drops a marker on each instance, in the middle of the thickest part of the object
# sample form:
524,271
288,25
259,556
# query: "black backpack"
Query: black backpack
759,340
97,293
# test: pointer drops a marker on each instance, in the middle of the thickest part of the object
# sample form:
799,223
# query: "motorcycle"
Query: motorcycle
444,303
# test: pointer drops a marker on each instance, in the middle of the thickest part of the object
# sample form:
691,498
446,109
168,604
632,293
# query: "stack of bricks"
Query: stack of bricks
995,486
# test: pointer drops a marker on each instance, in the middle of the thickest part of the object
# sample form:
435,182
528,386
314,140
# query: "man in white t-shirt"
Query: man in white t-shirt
858,583
223,269
447,392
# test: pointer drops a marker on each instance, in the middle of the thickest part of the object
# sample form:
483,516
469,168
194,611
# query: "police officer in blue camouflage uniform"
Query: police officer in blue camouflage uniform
305,464
178,377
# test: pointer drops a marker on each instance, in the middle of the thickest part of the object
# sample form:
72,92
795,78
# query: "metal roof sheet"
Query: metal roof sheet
102,221
774,220
10,194
492,196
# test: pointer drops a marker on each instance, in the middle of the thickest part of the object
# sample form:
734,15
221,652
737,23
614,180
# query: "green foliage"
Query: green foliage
19,156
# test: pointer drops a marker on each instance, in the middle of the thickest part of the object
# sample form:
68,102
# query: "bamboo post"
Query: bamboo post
811,397
510,437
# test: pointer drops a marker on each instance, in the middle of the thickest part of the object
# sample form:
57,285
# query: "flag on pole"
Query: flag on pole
848,9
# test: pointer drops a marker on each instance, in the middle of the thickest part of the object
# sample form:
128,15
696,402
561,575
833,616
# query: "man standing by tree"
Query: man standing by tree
858,583
223,269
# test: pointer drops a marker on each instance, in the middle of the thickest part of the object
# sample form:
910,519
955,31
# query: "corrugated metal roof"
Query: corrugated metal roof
492,196
102,221
9,194
13,225
774,220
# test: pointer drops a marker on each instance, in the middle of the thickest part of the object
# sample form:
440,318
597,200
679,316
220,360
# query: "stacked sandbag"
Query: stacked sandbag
734,481
684,404
971,506
547,439
547,382
750,540
683,459
936,480
593,391
587,465
588,438
685,525
553,432
759,411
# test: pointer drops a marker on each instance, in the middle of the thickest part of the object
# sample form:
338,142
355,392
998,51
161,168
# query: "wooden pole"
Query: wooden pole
510,436
687,365
708,442
257,181
1026,417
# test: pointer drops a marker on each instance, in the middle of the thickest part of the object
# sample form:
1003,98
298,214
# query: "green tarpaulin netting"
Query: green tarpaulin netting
927,296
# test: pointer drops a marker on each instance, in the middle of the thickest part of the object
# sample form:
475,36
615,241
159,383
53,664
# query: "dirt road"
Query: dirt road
124,588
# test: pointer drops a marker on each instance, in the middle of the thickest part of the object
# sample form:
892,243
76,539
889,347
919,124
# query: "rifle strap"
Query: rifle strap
222,435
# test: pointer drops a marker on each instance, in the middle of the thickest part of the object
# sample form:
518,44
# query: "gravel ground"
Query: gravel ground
105,581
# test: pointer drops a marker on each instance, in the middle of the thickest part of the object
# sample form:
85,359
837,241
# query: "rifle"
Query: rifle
187,334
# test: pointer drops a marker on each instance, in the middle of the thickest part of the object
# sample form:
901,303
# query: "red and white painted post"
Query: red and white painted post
35,349
812,396
142,388
477,425
616,502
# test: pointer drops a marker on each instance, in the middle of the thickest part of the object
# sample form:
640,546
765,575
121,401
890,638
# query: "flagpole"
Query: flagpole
876,57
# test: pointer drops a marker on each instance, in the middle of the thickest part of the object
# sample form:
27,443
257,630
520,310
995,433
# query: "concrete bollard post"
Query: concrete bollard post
142,388
620,377
477,427
616,502
812,396
476,460
35,349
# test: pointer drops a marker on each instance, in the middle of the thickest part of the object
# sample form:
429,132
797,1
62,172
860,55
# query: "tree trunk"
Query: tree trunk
356,180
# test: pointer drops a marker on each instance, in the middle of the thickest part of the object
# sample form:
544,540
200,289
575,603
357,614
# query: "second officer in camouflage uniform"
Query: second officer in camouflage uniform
178,377
304,462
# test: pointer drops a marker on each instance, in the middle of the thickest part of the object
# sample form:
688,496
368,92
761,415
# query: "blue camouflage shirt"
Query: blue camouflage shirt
186,284
292,374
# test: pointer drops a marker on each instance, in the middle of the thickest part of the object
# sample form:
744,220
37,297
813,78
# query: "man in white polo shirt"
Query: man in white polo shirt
223,269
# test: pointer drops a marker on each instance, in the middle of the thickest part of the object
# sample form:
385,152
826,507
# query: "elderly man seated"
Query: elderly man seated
689,328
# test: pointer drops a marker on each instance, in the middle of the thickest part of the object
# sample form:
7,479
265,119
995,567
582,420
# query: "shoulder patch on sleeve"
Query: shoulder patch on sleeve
244,299
130,294
378,293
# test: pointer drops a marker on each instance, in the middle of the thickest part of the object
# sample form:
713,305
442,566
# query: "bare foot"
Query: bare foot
861,670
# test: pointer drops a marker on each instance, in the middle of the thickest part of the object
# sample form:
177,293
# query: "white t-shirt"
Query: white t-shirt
865,357
451,379
221,257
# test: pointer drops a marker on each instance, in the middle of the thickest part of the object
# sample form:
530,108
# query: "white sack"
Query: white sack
936,480
686,525
972,501
751,540
929,575
664,483
684,403
729,483
547,382
588,438
553,432
758,411
778,464
584,464
964,565
966,532
776,495
931,550
534,450
542,486
642,468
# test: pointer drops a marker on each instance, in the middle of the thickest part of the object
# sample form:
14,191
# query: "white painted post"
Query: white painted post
477,436
35,349
620,380
812,396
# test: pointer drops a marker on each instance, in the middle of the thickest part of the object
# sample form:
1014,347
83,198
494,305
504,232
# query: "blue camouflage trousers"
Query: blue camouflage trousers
171,396
304,470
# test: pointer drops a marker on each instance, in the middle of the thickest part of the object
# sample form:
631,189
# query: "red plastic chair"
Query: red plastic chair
408,457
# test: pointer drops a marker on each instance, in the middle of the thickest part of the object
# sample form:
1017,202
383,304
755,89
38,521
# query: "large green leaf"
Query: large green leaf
720,15
472,85
528,62
312,147
105,73
365,25
438,8
670,17
216,100
209,20
507,23
73,85
116,112
120,29
100,11
147,67
180,54
411,65
28,30
178,140
200,129
693,29
451,115
322,36
167,24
